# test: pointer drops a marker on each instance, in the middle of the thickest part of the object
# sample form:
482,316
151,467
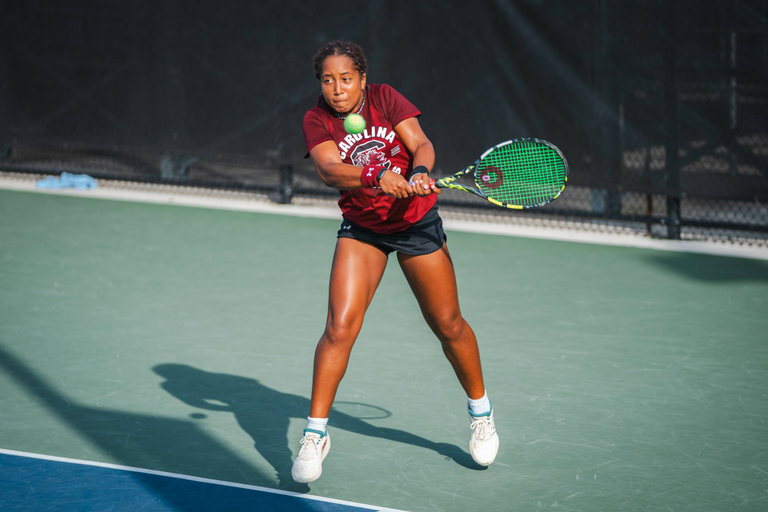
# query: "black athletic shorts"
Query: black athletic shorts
424,237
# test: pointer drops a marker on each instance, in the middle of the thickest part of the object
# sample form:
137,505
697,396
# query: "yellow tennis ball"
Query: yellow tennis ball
354,123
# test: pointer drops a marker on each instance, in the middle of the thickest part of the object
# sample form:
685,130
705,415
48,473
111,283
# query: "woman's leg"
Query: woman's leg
355,275
433,282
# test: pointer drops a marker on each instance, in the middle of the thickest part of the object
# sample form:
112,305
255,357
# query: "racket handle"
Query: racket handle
431,183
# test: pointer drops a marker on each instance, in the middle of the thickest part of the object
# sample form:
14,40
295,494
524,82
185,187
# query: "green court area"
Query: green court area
181,339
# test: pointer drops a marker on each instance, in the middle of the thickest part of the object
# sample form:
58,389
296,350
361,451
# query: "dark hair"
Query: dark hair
340,47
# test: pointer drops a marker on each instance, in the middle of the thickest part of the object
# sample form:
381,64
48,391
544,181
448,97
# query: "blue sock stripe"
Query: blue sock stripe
321,434
469,406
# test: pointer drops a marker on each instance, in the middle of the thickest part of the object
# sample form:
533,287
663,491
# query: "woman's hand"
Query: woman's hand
395,185
398,187
421,186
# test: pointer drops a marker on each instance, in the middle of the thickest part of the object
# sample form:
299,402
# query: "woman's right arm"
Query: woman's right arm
332,170
341,176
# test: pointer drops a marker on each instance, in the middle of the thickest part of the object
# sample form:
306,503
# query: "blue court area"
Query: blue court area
28,482
168,340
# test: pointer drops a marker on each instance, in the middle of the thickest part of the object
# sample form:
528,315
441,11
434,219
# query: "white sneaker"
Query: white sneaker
484,443
308,465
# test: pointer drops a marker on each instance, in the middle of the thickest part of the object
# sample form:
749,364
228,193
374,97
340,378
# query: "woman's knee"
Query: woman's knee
343,330
448,327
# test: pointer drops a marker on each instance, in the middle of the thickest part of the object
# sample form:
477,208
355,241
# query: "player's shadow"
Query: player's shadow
264,413
139,440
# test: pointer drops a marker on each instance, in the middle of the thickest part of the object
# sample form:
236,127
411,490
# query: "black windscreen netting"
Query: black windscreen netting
659,106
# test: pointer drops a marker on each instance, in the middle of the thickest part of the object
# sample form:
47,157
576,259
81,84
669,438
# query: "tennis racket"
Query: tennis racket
520,173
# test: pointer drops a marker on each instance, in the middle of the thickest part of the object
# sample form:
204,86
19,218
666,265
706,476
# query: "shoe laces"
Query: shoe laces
482,427
309,445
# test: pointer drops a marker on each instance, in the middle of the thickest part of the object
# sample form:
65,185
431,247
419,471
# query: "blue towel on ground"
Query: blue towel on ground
78,181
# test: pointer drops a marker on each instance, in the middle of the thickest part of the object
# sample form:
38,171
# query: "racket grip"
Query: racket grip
431,183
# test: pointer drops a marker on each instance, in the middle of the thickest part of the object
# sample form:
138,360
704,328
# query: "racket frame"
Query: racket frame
450,181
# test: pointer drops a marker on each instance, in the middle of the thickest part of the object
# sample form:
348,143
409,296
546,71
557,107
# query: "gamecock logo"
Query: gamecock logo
370,153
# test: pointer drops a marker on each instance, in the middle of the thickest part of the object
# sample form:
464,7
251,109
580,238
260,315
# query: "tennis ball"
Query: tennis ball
354,123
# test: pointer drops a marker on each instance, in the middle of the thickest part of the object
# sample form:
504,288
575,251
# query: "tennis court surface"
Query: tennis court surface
158,357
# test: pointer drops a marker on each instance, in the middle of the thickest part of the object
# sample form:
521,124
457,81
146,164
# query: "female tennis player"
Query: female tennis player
387,206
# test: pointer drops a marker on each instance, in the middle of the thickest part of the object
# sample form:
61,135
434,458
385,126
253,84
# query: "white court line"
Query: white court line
332,212
191,478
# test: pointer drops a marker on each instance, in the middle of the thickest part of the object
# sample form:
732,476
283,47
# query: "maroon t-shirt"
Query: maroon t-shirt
384,109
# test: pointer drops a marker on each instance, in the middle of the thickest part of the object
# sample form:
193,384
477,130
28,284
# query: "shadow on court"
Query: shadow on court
265,413
703,267
142,441
180,446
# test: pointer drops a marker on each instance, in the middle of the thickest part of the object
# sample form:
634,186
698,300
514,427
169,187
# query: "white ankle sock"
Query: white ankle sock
317,424
481,406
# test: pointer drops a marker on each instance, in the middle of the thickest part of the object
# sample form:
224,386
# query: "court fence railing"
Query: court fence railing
284,180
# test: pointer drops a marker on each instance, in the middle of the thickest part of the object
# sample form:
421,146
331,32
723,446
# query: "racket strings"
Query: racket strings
523,173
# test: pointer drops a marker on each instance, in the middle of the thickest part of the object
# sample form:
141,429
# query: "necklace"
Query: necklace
358,110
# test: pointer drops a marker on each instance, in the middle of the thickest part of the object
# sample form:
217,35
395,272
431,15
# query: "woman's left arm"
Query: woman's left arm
422,151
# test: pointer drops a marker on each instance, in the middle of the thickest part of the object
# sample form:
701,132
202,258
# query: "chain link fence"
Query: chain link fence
660,106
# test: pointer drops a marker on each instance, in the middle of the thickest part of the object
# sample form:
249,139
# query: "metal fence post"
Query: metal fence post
671,143
6,137
607,199
286,183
